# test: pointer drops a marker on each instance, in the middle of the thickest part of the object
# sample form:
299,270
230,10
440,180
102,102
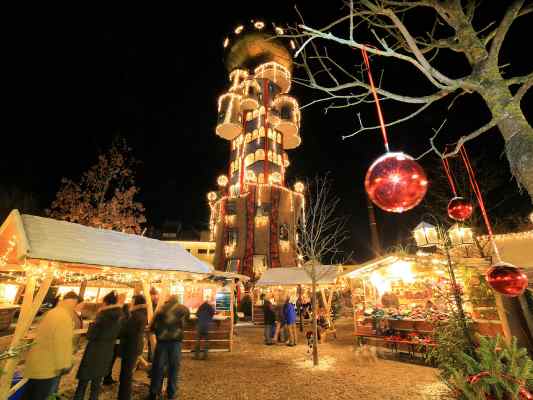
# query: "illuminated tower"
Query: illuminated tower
254,215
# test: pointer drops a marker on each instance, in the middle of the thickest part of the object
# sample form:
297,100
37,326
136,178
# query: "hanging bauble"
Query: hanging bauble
524,394
507,279
459,209
473,379
395,182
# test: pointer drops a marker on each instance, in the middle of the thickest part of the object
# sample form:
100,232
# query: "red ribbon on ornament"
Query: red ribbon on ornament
376,99
523,393
449,175
479,196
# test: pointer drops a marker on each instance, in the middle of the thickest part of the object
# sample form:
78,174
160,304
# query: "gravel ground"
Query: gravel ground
259,372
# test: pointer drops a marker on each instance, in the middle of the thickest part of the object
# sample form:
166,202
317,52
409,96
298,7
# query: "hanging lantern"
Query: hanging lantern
395,182
461,235
459,209
507,279
426,235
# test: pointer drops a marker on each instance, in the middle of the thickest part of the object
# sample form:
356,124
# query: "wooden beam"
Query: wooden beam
20,291
232,293
30,307
83,288
150,312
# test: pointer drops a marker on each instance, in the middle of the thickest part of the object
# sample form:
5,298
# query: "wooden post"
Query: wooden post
30,307
150,311
354,309
83,288
327,303
20,291
232,293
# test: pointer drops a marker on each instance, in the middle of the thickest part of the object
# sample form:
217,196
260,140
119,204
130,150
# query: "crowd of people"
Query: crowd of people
280,321
119,330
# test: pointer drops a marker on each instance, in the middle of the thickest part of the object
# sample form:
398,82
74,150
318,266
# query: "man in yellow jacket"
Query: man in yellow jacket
51,355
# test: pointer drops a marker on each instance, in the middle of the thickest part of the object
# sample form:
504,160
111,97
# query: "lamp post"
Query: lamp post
427,235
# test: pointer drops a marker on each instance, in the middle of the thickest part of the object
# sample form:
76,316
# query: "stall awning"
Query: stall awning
68,243
326,275
369,266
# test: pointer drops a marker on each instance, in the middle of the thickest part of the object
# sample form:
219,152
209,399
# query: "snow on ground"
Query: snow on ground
259,372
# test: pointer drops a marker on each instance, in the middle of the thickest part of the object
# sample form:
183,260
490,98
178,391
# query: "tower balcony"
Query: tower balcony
276,73
285,117
251,95
229,124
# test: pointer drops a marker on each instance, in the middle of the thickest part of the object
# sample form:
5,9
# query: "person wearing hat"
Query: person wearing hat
52,354
168,326
101,336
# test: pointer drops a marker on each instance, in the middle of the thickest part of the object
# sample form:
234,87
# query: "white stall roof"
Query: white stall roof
66,242
326,274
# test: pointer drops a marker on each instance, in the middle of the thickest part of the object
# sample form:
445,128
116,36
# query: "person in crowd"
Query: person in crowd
78,324
108,379
289,316
51,356
168,326
322,323
154,297
270,320
101,336
279,334
204,316
131,344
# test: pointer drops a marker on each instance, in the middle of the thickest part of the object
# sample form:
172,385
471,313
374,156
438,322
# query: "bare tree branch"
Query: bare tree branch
510,15
519,79
523,89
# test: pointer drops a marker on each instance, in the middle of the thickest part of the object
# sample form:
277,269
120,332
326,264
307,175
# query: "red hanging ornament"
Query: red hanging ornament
395,182
507,279
524,394
459,209
473,379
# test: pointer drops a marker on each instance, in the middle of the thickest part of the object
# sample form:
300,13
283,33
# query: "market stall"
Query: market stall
399,299
36,252
279,283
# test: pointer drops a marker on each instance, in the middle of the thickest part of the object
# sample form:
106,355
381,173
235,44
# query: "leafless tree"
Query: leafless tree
454,31
321,233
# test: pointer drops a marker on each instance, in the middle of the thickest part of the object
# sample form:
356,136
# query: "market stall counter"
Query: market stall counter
220,334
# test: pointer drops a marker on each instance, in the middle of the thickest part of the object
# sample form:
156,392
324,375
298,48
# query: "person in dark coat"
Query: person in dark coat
131,344
101,336
108,379
270,320
204,316
168,326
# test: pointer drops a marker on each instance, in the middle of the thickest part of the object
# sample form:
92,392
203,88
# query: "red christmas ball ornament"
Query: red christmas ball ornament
459,209
473,379
507,279
395,182
525,394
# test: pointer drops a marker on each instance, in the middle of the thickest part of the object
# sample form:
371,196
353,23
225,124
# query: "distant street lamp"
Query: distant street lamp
427,235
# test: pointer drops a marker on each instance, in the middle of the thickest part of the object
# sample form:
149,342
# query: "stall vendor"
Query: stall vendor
390,300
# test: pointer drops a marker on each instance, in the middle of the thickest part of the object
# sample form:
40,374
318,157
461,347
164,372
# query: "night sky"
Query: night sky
153,76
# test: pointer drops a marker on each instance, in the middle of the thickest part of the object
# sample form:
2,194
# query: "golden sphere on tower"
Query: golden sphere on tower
299,187
222,180
211,196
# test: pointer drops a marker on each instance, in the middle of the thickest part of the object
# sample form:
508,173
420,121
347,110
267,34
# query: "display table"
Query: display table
220,334
7,311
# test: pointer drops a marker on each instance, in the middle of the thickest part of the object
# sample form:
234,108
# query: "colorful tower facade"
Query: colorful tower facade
254,215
